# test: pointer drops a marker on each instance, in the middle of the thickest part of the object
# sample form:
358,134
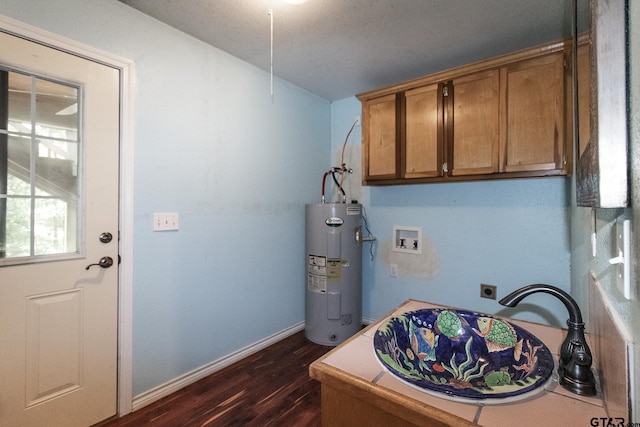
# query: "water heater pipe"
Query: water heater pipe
360,238
324,180
344,195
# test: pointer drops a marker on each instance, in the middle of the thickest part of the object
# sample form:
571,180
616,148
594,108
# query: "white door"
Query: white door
59,139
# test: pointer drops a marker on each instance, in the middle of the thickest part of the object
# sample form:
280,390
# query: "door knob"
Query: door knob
104,262
106,237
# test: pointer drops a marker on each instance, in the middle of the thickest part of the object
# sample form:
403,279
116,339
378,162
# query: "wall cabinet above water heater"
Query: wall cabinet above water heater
506,117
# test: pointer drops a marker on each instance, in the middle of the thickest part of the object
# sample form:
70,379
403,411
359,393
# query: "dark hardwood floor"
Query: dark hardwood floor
269,388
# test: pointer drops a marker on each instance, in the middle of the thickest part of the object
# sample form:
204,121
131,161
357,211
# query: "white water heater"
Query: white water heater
333,299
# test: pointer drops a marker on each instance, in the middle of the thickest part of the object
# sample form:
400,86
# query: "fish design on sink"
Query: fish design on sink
499,336
462,354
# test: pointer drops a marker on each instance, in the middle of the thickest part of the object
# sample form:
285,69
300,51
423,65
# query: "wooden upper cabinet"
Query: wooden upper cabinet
533,114
381,155
504,117
422,153
473,124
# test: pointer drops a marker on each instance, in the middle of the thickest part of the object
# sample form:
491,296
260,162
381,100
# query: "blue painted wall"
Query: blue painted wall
508,233
239,166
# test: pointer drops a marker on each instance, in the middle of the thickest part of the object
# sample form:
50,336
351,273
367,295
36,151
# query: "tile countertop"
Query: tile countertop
354,361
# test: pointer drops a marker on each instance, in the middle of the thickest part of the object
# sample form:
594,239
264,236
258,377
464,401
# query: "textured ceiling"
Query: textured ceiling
338,48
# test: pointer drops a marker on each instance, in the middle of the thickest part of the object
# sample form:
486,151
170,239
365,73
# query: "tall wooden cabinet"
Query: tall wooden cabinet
500,118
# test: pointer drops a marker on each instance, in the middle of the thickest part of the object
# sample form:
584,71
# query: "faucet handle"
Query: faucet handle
580,355
576,375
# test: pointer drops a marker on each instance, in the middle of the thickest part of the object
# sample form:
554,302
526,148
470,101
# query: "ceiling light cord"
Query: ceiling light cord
271,40
271,55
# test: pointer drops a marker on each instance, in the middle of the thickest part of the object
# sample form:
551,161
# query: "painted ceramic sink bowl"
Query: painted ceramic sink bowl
463,355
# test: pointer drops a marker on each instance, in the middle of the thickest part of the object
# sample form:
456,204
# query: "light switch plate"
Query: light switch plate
623,249
166,221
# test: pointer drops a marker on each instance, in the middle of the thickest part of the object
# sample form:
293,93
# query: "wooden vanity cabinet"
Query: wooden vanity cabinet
501,118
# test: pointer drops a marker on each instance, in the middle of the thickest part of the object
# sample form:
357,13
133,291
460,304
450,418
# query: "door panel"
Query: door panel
423,134
379,123
53,345
533,103
476,121
58,320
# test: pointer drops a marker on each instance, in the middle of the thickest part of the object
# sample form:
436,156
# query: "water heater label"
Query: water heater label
317,283
346,319
317,277
334,221
316,260
334,270
353,210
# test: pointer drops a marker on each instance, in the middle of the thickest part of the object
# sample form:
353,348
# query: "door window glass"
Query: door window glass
39,168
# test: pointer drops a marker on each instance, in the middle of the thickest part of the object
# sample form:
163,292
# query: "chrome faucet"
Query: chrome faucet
575,357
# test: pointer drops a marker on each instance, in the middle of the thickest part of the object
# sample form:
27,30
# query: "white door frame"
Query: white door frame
125,278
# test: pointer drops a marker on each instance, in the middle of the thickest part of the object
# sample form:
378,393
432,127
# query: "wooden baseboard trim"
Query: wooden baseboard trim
182,381
368,320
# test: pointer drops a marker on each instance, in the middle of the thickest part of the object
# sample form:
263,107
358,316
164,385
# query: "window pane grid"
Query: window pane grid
39,158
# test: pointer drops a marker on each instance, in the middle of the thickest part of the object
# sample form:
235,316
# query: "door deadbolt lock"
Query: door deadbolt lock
106,237
104,262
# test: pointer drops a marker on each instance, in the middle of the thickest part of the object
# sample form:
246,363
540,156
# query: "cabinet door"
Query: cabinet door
380,138
474,143
533,114
423,132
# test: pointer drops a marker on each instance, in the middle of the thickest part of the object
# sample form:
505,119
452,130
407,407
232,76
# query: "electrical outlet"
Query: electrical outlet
357,120
393,270
487,291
